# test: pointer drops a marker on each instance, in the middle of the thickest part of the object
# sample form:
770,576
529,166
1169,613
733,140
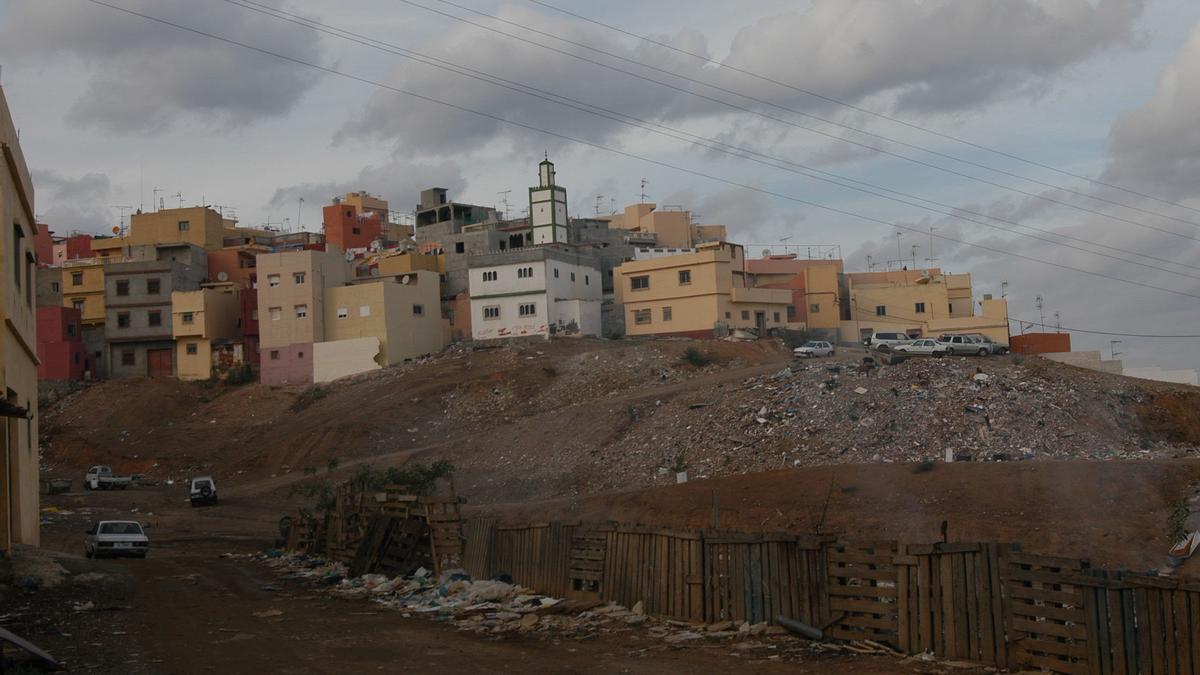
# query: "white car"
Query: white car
924,347
888,340
116,538
812,349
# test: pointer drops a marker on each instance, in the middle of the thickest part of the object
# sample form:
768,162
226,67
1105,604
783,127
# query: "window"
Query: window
123,320
128,358
666,313
192,350
301,311
880,310
123,287
492,312
70,330
460,247
745,315
920,308
950,308
489,276
364,310
274,354
418,310
355,230
776,317
639,283
343,312
184,226
18,235
814,308
54,287
254,314
641,316
276,313
685,277
298,278
76,357
77,304
527,309
76,278
586,280
153,286
791,313
187,317
555,272
728,315
572,277
154,318
272,280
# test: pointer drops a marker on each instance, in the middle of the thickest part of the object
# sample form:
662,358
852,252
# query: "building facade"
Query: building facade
60,348
291,304
204,324
19,517
666,228
702,294
921,303
548,290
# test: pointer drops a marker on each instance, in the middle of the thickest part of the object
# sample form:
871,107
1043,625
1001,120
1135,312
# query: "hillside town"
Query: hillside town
438,432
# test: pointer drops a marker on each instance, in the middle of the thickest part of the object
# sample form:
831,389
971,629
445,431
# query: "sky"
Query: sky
1051,144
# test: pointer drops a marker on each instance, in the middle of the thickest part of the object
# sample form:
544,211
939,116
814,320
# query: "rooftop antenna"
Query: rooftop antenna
871,264
299,207
599,201
504,200
612,206
156,198
899,251
1004,289
1057,323
141,186
914,255
1112,348
644,195
121,210
931,259
1037,302
179,196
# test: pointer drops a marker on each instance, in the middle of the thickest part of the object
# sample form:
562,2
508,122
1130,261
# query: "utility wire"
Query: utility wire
1102,332
868,111
708,143
751,111
704,142
622,153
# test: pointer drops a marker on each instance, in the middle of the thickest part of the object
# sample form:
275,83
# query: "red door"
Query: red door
158,362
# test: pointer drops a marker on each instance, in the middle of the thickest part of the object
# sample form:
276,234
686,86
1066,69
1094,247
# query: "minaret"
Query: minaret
547,207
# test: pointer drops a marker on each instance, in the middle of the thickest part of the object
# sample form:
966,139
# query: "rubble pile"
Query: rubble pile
827,411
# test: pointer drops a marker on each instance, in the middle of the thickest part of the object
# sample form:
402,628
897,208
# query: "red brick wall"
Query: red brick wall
341,221
1040,343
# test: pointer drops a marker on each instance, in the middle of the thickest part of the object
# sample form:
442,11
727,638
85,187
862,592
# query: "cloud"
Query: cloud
144,77
75,203
1156,147
399,182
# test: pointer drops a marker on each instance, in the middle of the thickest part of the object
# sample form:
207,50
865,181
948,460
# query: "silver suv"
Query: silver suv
993,347
964,344
888,340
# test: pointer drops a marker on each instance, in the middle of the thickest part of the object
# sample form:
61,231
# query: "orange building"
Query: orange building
347,227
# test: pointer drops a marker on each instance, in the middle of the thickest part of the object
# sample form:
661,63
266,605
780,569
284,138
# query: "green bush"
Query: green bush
308,397
242,374
696,358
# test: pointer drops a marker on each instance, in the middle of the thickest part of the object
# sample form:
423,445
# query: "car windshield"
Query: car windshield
812,344
201,484
120,528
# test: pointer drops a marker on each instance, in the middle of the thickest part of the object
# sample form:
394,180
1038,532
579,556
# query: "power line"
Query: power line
702,141
780,120
630,155
868,111
1101,332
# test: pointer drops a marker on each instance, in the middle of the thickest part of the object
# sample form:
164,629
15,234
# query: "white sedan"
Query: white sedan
923,347
812,349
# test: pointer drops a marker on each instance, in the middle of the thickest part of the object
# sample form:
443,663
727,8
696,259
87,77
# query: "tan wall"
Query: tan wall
900,302
342,358
366,202
403,263
205,228
321,269
196,366
673,229
215,316
821,289
992,322
391,318
90,290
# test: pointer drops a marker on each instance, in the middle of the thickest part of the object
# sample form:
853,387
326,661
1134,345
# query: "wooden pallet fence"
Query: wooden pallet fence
1046,612
1167,621
589,550
863,601
662,569
477,547
537,556
760,577
949,601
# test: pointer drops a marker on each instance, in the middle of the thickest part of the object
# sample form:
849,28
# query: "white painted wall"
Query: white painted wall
341,358
559,300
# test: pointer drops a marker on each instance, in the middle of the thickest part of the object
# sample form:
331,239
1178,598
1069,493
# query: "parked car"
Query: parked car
116,538
813,348
203,490
993,347
887,340
103,478
964,344
923,346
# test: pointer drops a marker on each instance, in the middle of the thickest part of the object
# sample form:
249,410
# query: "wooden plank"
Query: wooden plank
983,594
904,595
970,585
1075,650
1063,630
1170,650
1056,665
1021,558
1043,576
949,611
1075,614
1020,592
858,572
924,611
1185,631
839,604
1156,629
1194,633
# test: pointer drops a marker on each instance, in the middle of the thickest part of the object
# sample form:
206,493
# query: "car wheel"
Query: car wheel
87,553
832,353
983,352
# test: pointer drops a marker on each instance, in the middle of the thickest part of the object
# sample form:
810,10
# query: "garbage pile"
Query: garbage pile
837,410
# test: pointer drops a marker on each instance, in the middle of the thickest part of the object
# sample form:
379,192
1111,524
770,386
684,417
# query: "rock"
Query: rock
529,621
637,619
638,608
719,626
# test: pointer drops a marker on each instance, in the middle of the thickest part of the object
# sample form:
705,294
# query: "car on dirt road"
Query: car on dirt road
923,347
116,538
813,348
993,346
203,490
963,345
103,478
885,341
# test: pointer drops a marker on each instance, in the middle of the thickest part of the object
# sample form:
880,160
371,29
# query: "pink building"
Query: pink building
60,345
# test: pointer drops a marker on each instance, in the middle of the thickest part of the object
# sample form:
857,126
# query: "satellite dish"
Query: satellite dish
116,229
404,279
222,276
349,256
766,253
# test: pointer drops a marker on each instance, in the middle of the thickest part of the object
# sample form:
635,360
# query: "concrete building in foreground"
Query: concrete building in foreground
547,290
291,307
921,303
703,294
60,348
205,326
664,228
19,517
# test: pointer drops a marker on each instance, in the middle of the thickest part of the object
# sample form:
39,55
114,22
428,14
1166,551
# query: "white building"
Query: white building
547,207
552,289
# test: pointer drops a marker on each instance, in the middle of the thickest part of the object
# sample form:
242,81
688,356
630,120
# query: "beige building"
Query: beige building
19,517
698,294
671,229
198,225
402,317
365,202
920,303
83,288
291,309
199,320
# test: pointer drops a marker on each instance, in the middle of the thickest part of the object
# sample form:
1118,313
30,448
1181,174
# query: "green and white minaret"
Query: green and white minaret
547,207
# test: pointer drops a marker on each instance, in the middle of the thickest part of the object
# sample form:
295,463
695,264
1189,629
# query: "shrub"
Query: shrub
696,358
308,397
242,374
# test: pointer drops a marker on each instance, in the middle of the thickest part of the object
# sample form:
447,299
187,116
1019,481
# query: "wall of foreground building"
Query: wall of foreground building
342,358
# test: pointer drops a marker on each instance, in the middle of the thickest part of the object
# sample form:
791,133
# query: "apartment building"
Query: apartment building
920,303
816,288
205,327
196,225
375,323
61,352
81,286
664,228
701,294
291,307
547,290
138,313
19,517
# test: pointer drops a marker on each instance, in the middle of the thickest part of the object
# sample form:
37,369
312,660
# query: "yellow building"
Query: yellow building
198,319
291,310
920,303
83,288
198,225
405,262
19,517
815,288
671,229
696,294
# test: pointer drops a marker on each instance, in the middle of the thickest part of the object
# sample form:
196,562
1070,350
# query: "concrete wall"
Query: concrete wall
83,282
214,316
287,365
1160,375
60,344
341,358
1092,360
388,311
321,269
141,304
555,278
